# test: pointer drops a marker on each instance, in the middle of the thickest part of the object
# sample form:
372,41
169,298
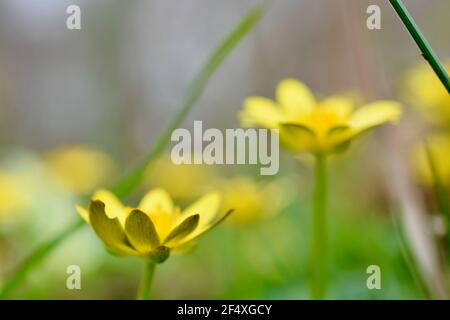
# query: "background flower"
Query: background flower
425,91
80,169
439,147
254,201
325,126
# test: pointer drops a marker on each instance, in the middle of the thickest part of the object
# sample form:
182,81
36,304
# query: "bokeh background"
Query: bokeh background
79,108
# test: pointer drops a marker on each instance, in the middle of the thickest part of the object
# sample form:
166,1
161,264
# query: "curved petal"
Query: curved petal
298,137
141,232
295,97
156,200
207,207
202,230
182,230
260,111
109,230
375,114
113,206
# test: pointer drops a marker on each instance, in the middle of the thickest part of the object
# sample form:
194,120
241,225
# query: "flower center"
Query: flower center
321,121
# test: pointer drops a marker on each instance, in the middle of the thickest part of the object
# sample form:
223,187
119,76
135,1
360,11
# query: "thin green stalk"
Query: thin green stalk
127,184
427,52
319,230
410,261
193,94
147,280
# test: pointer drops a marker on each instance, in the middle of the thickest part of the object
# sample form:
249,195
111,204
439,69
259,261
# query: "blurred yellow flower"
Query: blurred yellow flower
80,169
424,90
183,182
253,201
320,127
439,148
11,195
155,227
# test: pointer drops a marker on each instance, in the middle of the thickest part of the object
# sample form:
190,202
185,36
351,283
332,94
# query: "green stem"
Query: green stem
427,52
146,282
319,230
127,184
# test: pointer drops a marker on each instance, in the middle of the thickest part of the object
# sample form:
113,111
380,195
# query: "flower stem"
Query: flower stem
146,282
427,52
319,229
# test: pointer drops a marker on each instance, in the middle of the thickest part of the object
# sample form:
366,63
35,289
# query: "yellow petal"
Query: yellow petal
156,200
202,230
109,230
430,160
141,232
260,111
295,97
113,207
297,137
83,213
207,207
375,114
182,230
342,107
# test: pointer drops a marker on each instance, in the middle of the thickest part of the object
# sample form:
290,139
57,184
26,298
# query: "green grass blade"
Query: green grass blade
130,181
427,52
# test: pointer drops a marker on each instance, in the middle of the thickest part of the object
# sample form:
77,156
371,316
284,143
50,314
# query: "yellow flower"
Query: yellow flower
80,169
425,91
319,127
11,196
439,148
253,201
155,227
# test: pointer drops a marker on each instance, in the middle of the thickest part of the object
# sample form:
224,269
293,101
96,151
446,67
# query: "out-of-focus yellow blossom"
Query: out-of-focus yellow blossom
183,182
439,150
153,229
80,169
320,127
253,201
11,196
425,91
